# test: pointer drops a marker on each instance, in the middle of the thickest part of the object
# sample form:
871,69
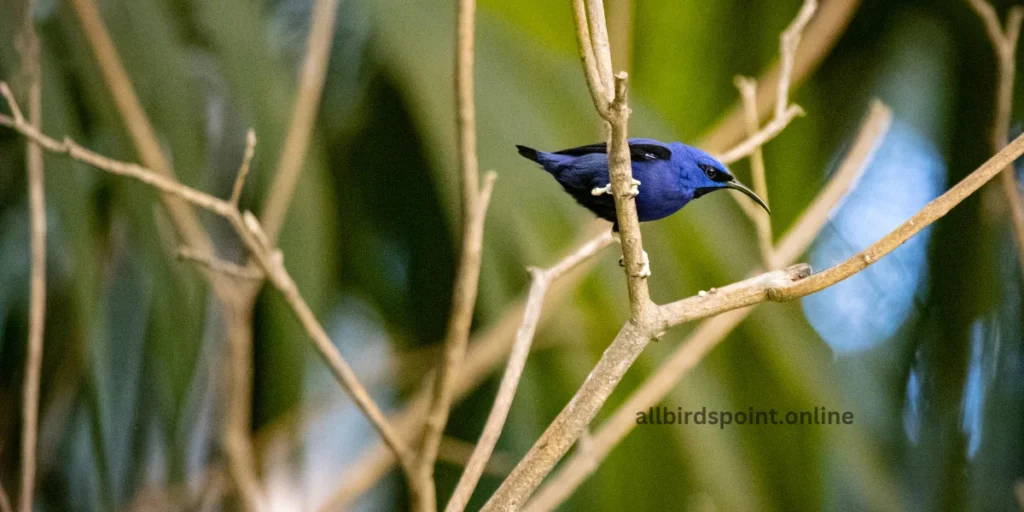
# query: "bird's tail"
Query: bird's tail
529,153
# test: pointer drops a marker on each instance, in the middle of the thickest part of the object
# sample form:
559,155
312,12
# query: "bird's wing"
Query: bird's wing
638,152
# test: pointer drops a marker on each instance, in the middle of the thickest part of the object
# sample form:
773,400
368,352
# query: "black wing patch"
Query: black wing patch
637,152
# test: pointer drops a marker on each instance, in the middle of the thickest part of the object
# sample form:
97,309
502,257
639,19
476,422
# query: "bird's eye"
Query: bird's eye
715,174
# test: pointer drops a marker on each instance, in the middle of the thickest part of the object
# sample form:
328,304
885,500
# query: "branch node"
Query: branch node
243,170
15,110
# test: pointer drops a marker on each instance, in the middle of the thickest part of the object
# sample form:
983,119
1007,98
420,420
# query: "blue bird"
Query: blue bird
666,177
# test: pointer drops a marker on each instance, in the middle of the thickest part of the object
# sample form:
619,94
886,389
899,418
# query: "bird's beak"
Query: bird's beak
735,185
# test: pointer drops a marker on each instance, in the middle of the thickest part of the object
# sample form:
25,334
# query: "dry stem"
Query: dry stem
542,279
1004,44
28,48
776,286
134,117
748,90
467,277
256,241
712,331
486,351
307,101
820,36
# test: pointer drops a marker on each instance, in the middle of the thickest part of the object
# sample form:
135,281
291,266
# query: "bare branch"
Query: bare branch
485,353
542,279
241,463
922,219
621,174
214,264
820,36
243,170
806,228
585,461
789,41
748,90
767,133
776,286
5,90
28,49
602,46
1004,44
307,101
134,117
255,240
467,277
587,57
710,332
464,301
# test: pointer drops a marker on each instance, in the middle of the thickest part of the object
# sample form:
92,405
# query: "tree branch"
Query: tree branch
542,279
487,350
467,277
748,90
31,66
788,43
269,259
822,33
1004,44
713,330
135,120
776,286
814,217
243,170
300,129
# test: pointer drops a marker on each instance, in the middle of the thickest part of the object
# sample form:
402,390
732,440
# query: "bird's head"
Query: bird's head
703,173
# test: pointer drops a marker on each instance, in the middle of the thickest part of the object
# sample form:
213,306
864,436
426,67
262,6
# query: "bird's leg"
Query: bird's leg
645,269
597,191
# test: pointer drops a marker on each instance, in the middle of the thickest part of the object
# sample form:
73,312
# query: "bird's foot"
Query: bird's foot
645,268
598,191
634,188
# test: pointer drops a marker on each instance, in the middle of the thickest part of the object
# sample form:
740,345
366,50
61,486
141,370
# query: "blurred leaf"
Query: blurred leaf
903,174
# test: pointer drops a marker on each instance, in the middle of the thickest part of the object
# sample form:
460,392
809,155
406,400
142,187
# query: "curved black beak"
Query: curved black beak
735,185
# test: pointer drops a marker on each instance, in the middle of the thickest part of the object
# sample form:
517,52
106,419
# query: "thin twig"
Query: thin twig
455,348
307,101
28,48
713,330
220,266
775,286
788,42
542,279
821,35
589,61
255,240
486,352
243,170
467,277
1004,44
767,133
601,46
809,224
135,120
922,219
748,91
241,463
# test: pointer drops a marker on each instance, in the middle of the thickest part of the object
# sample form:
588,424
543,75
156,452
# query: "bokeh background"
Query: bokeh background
927,353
